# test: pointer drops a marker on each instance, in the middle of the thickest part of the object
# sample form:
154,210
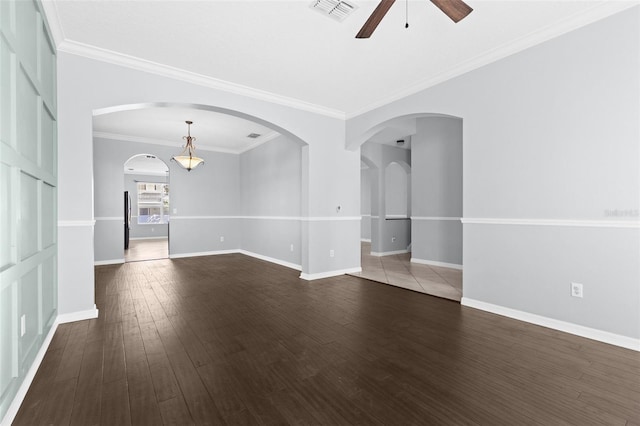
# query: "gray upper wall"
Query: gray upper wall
436,167
550,132
436,164
210,190
270,179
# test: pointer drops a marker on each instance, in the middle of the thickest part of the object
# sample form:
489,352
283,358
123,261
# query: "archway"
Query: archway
202,107
434,172
211,209
146,208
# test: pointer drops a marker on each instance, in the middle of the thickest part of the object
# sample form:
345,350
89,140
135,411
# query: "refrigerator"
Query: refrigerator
127,219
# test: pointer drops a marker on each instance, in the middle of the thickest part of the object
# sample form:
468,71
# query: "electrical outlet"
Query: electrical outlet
291,247
393,239
332,253
576,289
222,239
23,325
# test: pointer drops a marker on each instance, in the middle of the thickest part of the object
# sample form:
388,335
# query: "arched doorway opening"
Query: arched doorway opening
146,208
432,233
246,197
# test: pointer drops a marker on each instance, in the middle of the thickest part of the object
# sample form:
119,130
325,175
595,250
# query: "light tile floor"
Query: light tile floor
147,249
398,270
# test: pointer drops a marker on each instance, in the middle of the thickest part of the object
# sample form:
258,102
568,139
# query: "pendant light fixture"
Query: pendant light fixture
188,161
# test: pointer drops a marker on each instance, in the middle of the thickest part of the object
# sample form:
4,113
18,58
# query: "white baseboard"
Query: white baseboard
308,277
31,374
272,260
388,253
365,240
567,327
28,378
329,274
108,262
78,316
203,253
436,263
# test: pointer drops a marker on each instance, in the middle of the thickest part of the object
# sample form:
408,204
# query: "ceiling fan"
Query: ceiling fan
454,9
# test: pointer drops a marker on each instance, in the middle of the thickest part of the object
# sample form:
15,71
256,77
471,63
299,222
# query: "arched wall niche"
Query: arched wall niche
397,190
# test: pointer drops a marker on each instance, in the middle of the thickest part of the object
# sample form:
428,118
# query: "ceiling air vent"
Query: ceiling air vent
254,135
336,9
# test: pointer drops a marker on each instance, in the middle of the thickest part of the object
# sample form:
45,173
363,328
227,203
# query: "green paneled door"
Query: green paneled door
28,191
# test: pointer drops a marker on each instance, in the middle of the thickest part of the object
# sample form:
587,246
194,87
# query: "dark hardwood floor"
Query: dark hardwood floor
234,340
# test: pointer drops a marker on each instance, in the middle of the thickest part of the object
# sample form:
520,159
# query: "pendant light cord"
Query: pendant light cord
406,25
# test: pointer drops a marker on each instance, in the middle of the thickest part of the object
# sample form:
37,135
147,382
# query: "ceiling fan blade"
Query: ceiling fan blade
372,23
454,9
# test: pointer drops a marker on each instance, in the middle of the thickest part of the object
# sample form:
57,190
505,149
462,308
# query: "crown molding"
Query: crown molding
139,64
153,141
53,21
597,12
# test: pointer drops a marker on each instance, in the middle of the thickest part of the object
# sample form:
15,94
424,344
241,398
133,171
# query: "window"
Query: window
153,203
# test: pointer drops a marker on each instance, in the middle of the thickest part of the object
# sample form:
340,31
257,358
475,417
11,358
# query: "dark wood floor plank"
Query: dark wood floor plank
59,340
132,339
164,380
153,347
115,403
292,409
41,406
57,410
219,379
175,412
143,314
233,340
200,405
190,341
72,357
114,367
142,396
88,398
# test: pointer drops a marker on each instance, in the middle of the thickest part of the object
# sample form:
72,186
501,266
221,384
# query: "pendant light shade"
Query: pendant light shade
186,159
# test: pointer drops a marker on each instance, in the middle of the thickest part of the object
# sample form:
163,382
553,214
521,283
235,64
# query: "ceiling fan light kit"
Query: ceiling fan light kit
454,9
